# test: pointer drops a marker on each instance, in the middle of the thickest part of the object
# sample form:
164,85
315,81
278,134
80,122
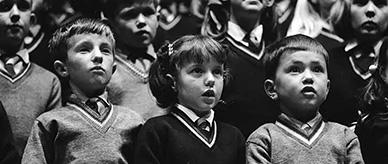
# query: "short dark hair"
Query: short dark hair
58,45
290,45
111,7
172,57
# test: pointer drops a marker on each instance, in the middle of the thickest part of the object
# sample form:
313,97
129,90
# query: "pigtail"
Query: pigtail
161,80
375,92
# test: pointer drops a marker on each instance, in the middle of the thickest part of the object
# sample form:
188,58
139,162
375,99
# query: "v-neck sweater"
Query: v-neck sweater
71,135
173,139
282,142
34,91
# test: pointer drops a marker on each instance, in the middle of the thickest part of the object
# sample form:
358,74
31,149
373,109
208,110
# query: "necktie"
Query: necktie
9,65
96,105
204,127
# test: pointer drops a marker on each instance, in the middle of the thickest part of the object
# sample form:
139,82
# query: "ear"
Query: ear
172,80
270,90
268,3
61,68
33,19
328,87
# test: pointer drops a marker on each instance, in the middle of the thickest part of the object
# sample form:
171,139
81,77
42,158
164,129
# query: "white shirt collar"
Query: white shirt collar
238,34
352,44
193,117
23,54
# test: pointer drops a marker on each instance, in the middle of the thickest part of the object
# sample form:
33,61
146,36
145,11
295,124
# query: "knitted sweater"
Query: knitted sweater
173,139
129,88
25,97
72,135
281,142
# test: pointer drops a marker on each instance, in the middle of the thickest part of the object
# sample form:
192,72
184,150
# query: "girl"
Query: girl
362,24
246,27
372,129
187,78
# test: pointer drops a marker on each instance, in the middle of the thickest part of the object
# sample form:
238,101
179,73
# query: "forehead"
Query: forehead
15,1
302,57
135,5
90,39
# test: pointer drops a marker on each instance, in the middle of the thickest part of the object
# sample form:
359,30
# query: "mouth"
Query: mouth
15,28
142,33
209,93
97,69
370,25
309,90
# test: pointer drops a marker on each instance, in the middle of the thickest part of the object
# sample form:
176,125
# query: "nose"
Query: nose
370,10
97,56
210,80
140,21
308,77
15,14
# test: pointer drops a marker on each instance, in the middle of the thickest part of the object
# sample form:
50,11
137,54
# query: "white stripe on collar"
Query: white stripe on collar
193,117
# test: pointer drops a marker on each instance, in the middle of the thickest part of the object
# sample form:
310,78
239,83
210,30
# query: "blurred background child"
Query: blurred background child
361,24
372,128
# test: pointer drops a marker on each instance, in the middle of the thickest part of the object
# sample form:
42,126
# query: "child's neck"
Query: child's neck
301,115
85,95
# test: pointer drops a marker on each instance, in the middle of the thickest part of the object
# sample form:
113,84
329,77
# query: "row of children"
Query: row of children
138,21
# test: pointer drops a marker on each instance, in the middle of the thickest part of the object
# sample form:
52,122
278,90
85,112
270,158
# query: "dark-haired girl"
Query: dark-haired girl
187,78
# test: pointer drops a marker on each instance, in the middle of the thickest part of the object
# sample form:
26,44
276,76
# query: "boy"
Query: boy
88,129
135,22
26,89
296,78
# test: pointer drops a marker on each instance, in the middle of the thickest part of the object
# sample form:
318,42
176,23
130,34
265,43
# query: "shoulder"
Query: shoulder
263,132
56,115
128,113
340,130
42,71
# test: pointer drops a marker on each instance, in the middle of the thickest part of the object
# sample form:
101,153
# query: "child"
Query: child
362,24
246,27
135,23
372,129
26,89
89,129
187,78
296,78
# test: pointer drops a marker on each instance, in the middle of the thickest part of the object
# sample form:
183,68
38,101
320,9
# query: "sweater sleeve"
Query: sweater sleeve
352,148
55,100
39,148
148,148
258,147
8,153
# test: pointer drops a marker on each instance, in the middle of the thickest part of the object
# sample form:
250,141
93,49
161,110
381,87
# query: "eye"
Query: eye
197,70
107,51
360,2
148,11
218,72
83,50
23,5
380,3
294,69
129,15
6,5
318,69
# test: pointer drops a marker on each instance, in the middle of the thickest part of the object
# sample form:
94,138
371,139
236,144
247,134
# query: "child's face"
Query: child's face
301,82
249,7
15,20
200,86
90,61
369,18
136,24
